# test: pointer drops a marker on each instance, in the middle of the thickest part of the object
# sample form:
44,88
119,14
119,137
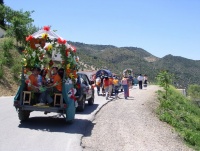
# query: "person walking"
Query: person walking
125,86
110,85
106,86
102,79
140,79
98,84
145,80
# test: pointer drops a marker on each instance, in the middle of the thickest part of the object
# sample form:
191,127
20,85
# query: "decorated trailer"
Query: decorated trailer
44,50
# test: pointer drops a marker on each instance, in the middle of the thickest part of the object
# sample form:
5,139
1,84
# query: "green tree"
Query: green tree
164,79
2,22
18,23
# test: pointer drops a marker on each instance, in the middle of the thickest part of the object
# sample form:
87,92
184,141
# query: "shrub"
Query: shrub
194,91
7,46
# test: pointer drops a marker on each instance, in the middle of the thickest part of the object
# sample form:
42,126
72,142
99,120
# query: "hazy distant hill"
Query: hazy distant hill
117,59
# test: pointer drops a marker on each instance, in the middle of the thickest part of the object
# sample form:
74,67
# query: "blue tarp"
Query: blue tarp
103,71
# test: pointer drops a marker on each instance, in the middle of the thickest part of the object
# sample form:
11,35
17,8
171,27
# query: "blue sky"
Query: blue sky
161,27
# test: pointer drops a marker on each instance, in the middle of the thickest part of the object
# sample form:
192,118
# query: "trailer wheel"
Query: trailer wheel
23,115
81,104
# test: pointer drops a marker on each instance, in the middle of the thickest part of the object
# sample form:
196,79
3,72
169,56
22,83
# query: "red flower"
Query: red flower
47,28
29,38
27,81
61,41
73,97
66,52
64,41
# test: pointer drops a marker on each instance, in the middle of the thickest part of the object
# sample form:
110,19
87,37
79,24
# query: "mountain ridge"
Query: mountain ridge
141,61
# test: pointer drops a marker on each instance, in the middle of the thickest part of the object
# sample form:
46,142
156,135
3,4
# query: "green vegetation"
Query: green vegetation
18,25
181,113
164,79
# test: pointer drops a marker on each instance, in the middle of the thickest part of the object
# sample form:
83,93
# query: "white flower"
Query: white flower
37,45
33,54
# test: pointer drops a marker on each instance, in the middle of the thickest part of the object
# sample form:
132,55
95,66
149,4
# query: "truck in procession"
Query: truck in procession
46,51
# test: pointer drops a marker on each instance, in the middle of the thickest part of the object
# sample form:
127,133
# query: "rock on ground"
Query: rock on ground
132,125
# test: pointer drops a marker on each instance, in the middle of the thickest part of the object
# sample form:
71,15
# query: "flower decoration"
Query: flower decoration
67,51
40,46
29,38
47,28
71,94
61,41
48,47
73,49
44,35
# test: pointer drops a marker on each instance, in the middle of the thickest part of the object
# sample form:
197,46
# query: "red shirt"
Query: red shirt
34,81
57,79
106,82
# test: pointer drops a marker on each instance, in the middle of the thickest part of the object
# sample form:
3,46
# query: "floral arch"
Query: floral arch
40,47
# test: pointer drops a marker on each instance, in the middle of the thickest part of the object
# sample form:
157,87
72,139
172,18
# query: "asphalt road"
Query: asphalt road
44,132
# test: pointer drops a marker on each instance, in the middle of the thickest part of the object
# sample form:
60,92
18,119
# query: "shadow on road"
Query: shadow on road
56,124
88,109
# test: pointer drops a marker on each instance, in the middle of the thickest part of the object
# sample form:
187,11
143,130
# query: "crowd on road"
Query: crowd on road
107,84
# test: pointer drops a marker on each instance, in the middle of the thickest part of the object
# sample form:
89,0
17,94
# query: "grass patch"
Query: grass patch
182,114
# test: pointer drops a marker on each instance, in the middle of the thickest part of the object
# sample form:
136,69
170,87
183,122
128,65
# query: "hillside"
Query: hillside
94,57
116,59
9,70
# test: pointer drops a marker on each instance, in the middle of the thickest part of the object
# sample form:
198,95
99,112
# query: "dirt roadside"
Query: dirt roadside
132,125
